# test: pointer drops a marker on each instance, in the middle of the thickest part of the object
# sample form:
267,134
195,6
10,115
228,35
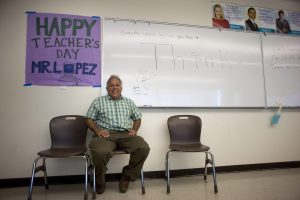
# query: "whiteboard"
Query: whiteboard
282,70
165,65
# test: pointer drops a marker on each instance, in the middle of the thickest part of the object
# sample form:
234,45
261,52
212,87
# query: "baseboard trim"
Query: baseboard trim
72,179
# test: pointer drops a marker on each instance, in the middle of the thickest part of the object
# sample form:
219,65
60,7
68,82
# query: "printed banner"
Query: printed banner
228,16
259,19
235,15
250,18
294,18
282,22
288,22
266,20
63,50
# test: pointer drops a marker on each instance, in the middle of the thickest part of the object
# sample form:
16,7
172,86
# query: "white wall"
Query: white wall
236,136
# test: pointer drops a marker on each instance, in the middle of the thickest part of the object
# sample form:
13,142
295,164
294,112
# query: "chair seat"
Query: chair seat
61,152
197,147
118,151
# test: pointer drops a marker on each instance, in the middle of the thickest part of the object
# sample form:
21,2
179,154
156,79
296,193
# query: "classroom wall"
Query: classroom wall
236,136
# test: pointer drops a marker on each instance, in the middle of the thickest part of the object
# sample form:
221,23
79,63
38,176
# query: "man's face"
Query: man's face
252,14
114,88
281,15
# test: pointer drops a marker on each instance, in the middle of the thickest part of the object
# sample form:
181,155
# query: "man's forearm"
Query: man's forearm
92,125
136,124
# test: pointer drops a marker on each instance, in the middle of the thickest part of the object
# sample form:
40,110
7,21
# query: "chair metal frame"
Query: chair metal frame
89,167
209,158
120,152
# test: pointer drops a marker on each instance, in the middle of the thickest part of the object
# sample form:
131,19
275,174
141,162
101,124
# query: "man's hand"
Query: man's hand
102,133
132,132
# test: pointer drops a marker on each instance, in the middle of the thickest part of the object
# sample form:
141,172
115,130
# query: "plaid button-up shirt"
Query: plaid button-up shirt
117,115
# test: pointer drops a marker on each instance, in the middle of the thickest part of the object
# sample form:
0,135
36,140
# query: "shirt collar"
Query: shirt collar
109,97
252,20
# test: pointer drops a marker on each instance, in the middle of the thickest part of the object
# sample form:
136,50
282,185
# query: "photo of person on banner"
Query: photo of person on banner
282,25
250,22
218,19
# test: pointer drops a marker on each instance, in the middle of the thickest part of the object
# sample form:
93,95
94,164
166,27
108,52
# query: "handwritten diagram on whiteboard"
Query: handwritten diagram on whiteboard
179,66
282,70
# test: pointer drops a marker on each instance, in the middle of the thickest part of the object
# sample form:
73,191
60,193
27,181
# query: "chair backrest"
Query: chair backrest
68,131
184,129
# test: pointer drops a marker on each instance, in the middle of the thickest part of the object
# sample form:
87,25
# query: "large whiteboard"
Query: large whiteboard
282,70
179,66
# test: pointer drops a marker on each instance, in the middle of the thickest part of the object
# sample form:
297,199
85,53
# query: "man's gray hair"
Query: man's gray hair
113,77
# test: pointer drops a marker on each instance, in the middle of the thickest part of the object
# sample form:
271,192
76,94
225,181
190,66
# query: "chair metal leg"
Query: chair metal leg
32,179
168,171
94,182
205,168
166,168
90,172
36,169
92,175
207,161
142,182
86,178
212,162
44,169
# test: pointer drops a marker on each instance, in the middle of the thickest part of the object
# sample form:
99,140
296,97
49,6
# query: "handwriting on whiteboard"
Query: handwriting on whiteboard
285,57
163,55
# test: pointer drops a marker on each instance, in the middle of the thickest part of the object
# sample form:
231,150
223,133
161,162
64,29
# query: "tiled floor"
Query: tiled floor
280,184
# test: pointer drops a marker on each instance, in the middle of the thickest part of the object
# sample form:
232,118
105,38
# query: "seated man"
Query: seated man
115,121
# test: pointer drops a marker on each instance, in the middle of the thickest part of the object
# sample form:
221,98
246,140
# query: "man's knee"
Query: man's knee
144,150
144,146
99,153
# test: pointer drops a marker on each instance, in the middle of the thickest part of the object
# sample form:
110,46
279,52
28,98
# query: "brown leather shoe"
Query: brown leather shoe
100,188
124,183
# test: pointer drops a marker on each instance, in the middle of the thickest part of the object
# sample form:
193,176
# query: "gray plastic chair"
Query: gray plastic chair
185,135
68,140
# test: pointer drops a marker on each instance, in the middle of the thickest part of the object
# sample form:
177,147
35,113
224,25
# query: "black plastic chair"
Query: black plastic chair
185,136
120,152
68,140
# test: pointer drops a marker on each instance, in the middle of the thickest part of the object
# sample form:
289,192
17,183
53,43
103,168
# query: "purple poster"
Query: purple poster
63,50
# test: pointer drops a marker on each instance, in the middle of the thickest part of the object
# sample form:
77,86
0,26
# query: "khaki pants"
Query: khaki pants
102,150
